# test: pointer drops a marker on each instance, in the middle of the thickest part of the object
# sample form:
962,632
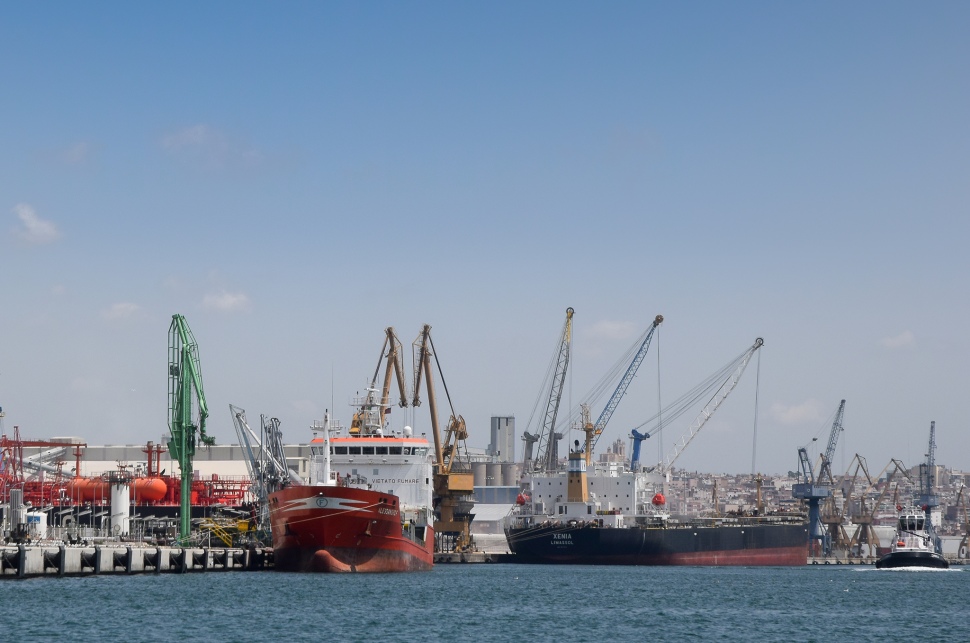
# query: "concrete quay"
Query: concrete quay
58,560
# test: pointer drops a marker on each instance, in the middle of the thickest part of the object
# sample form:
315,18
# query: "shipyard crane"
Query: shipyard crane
453,484
961,504
927,471
392,346
814,488
594,431
832,515
187,411
928,499
825,469
864,533
725,389
546,459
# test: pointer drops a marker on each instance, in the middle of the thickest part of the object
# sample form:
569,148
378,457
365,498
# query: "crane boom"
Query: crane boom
185,391
545,460
711,406
395,363
928,497
825,470
624,384
454,483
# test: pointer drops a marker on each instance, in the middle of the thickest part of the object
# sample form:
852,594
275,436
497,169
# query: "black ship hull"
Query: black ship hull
900,559
766,544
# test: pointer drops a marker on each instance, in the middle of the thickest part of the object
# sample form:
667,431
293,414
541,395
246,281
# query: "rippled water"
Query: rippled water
498,603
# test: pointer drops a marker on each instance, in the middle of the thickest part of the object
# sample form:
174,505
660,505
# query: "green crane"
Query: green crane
185,394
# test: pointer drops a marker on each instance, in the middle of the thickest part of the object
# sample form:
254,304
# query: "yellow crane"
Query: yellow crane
453,480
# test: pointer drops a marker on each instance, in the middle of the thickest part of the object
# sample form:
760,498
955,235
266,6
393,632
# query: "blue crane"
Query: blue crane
814,488
638,439
593,432
825,469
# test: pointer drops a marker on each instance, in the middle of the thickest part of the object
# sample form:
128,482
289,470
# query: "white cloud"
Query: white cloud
76,154
208,148
122,310
807,412
905,338
611,330
226,301
35,230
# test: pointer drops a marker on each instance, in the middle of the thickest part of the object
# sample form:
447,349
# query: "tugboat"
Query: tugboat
913,545
916,544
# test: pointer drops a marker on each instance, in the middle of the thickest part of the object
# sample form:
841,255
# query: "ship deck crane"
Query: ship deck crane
185,395
725,389
547,453
594,431
453,481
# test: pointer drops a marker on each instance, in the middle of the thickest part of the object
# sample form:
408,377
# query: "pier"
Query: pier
59,560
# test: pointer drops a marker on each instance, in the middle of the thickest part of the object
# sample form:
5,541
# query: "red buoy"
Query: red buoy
659,500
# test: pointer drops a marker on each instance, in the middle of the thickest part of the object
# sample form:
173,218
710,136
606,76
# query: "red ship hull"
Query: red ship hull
344,529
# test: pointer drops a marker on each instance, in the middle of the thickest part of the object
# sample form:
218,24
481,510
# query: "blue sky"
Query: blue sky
295,177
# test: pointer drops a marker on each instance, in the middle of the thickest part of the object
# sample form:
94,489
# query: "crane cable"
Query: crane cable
607,382
685,402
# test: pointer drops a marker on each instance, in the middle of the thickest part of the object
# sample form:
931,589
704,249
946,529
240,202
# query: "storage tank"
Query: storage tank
120,506
478,473
148,489
37,524
18,512
493,474
510,474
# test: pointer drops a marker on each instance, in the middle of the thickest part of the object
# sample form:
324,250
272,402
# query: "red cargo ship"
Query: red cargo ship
368,507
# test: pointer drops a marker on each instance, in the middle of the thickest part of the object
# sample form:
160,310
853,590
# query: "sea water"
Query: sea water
498,602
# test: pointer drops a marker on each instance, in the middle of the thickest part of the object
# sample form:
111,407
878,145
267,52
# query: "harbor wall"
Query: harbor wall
31,561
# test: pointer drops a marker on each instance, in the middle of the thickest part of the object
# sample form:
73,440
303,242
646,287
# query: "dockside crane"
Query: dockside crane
864,534
928,499
187,411
594,431
814,488
722,392
825,468
961,505
833,515
392,346
453,483
266,463
547,456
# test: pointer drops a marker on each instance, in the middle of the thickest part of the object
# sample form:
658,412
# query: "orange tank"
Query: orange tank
98,489
148,489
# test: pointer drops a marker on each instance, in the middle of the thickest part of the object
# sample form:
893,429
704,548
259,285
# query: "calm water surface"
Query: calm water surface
498,603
